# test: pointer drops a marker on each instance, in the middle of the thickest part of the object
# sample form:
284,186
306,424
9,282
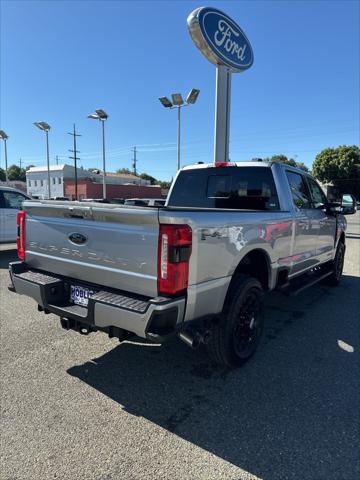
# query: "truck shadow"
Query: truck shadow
7,256
291,412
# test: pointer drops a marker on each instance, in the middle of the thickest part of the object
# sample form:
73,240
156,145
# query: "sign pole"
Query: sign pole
222,114
225,45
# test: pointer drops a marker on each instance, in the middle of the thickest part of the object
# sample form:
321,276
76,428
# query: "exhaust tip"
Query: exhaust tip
192,339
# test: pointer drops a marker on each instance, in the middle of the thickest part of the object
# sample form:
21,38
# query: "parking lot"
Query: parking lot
77,407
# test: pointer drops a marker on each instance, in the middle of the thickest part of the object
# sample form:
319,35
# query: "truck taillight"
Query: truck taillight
173,258
20,240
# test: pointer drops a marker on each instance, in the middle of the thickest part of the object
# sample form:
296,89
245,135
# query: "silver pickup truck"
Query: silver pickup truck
196,268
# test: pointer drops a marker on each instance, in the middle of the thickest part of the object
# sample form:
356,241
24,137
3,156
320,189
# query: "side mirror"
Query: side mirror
348,204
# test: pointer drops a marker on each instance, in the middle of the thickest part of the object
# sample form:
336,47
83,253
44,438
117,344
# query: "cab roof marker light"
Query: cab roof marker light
224,164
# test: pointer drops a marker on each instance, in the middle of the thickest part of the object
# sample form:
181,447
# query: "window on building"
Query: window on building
53,180
29,182
41,183
59,180
35,183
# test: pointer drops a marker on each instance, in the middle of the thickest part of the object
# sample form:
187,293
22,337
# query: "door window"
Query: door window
299,190
317,194
13,200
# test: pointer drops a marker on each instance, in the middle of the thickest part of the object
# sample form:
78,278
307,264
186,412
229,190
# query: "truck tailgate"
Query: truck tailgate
117,246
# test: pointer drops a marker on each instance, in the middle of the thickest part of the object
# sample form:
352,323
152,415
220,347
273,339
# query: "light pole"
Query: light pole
178,102
101,116
45,127
4,137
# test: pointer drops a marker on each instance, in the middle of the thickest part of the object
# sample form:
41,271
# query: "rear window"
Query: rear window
243,188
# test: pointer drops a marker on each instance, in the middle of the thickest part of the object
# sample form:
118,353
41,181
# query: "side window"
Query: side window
13,200
299,190
317,194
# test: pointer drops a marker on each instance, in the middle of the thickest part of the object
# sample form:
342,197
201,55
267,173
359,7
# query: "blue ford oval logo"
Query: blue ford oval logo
77,238
220,39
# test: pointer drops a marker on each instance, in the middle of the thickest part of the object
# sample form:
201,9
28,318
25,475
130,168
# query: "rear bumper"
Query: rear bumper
152,318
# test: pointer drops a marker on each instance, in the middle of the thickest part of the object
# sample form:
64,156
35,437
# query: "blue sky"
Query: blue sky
62,59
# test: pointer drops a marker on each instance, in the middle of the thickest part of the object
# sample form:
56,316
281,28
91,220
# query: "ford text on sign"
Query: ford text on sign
220,39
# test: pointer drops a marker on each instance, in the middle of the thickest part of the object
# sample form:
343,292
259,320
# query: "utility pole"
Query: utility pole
75,158
57,159
20,162
134,160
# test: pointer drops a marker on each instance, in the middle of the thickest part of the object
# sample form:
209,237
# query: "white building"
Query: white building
37,178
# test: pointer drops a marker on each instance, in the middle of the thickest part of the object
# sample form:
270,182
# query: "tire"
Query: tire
337,266
237,333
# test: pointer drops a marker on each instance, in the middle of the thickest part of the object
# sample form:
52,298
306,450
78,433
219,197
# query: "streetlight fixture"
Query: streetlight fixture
4,137
45,127
178,102
101,115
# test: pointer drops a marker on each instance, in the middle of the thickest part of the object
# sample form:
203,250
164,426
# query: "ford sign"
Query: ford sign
220,39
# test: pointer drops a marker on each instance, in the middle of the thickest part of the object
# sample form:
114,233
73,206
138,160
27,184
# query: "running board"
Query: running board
293,287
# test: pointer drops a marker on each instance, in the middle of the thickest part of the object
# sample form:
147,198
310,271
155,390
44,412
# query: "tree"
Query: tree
16,173
124,171
288,161
29,166
2,175
337,163
153,180
302,166
165,185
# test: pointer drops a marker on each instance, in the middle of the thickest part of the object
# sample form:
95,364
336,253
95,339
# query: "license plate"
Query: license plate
80,295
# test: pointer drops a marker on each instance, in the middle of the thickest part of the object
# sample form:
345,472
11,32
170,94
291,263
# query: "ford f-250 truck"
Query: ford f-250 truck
196,268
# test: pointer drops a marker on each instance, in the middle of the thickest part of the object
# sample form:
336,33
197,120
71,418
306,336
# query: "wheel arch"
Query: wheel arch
256,263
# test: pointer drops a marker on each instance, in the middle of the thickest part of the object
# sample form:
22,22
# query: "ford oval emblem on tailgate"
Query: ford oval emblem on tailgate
77,238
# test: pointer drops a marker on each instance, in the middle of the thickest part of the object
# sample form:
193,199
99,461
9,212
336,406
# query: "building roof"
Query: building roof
51,167
127,176
60,167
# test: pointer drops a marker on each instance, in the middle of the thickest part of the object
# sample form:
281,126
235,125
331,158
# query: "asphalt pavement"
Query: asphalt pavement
84,407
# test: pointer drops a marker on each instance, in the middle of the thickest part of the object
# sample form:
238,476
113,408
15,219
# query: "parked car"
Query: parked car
348,201
95,200
196,268
10,203
145,202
